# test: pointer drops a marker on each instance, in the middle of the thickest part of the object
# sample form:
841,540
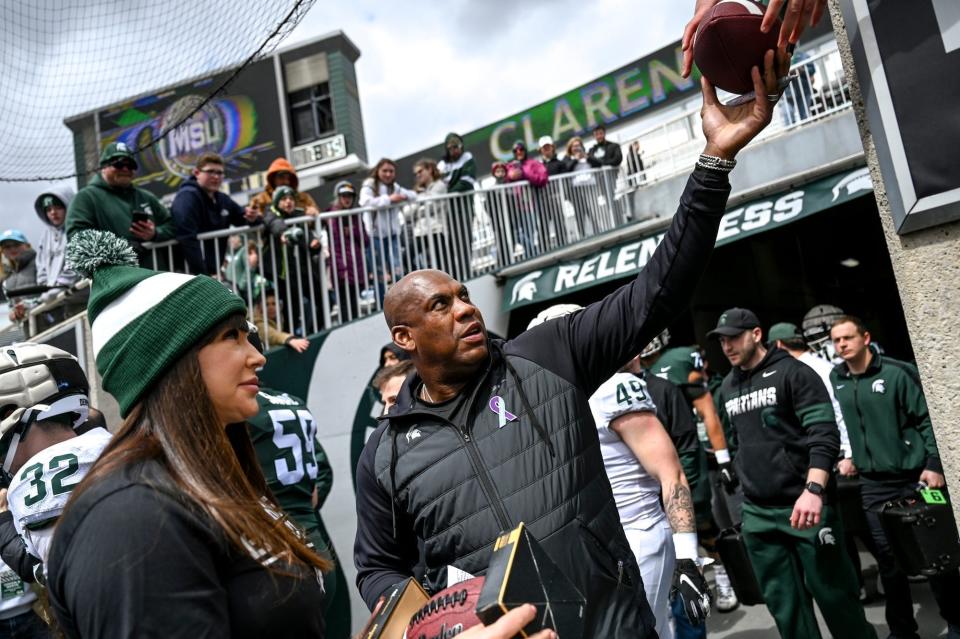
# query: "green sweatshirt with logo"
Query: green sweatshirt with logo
102,207
886,416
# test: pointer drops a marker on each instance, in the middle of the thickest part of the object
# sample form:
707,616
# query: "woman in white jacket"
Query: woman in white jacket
384,225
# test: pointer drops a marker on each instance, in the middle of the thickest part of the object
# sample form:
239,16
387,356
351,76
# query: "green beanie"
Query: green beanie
454,138
142,321
281,192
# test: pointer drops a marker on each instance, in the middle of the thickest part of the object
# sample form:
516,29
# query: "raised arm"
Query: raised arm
589,346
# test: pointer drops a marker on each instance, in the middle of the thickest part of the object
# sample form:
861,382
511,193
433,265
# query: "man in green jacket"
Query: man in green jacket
894,449
110,202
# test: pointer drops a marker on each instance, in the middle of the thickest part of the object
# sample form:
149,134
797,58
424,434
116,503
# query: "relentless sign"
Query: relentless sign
628,258
905,54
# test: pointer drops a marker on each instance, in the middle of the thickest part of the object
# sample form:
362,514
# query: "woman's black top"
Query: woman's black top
132,559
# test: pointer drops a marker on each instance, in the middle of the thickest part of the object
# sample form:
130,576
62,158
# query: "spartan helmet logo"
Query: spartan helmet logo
859,180
825,535
879,386
723,320
122,146
413,434
525,288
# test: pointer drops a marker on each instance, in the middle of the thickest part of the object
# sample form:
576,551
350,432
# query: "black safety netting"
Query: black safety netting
64,58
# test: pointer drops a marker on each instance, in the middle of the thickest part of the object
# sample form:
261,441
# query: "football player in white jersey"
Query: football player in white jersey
642,463
43,398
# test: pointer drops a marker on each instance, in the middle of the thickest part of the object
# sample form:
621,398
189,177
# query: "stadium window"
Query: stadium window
311,113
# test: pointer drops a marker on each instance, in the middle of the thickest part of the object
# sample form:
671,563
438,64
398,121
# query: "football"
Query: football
448,613
728,43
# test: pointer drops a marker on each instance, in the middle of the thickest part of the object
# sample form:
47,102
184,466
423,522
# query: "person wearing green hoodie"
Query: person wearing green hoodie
894,450
789,443
111,202
458,171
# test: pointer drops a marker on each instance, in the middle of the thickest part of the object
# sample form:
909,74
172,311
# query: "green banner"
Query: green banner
628,258
632,91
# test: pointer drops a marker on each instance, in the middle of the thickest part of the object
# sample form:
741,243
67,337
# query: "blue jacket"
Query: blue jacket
194,211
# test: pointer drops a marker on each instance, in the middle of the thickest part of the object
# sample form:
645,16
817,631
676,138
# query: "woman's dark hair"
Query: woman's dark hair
396,350
213,467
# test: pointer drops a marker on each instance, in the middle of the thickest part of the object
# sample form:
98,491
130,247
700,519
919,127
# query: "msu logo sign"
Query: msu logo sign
879,386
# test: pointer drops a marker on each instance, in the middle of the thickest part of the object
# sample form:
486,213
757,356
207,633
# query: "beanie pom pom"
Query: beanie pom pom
90,250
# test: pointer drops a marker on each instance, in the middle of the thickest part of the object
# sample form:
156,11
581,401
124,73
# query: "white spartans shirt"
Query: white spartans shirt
637,493
40,489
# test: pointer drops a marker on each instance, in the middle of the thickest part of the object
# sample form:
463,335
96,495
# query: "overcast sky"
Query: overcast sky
427,68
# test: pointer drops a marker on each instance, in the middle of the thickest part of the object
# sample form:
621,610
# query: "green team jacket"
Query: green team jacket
101,207
284,434
886,416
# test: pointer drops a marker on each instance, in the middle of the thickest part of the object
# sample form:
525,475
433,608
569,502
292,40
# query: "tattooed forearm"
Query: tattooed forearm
679,506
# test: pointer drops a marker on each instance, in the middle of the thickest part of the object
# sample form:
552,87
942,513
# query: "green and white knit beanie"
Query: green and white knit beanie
142,321
281,192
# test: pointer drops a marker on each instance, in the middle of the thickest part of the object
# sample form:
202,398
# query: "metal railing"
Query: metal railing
817,89
319,272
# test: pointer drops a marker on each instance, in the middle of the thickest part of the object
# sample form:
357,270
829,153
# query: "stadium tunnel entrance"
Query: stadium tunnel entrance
836,256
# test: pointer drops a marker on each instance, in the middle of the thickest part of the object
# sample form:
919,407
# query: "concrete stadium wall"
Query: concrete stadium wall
927,268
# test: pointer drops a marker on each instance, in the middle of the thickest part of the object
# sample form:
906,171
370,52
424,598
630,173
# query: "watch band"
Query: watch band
814,487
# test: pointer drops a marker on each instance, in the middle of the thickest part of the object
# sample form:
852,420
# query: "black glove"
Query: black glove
728,477
692,588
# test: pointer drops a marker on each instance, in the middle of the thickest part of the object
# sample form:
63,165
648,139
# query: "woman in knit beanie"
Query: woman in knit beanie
173,531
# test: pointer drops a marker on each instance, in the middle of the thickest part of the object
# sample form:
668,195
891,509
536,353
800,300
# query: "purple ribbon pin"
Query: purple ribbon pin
498,406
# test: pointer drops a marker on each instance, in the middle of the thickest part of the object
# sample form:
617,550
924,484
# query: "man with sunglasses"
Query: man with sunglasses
111,202
200,207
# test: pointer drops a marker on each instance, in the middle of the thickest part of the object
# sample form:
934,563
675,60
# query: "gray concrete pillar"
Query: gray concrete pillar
927,268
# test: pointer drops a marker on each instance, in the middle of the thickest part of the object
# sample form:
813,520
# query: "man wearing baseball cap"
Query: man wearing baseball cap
548,155
111,202
20,269
788,444
787,336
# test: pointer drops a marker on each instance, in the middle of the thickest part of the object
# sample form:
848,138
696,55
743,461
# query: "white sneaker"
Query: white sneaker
726,597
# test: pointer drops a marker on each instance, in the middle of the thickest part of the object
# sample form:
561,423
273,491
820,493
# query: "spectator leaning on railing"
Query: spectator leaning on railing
458,168
380,190
604,152
288,259
548,156
459,172
110,202
523,167
200,207
20,267
282,173
348,251
429,219
51,207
